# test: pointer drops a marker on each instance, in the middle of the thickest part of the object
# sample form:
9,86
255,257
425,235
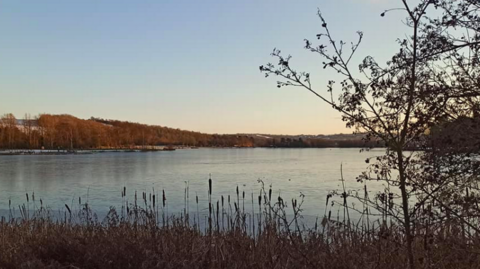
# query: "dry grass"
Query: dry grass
143,237
42,244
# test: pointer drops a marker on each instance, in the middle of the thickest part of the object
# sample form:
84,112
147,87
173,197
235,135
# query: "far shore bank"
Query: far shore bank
74,151
16,152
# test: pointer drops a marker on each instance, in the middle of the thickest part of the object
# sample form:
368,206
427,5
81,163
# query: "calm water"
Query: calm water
59,180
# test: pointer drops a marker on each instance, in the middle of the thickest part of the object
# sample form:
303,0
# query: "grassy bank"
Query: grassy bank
141,234
39,244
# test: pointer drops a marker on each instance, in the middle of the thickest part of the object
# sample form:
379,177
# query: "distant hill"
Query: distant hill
338,137
69,132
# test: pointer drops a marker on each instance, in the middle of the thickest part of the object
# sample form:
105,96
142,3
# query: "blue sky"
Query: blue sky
178,63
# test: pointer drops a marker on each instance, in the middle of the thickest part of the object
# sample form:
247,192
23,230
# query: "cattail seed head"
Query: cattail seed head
164,198
210,186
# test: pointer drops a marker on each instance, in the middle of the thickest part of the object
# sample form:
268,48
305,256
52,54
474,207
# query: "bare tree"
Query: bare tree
433,78
9,123
28,129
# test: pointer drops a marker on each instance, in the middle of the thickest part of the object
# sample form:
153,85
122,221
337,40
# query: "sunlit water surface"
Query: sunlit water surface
100,178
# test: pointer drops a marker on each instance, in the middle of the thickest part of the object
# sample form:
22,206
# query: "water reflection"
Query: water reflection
101,177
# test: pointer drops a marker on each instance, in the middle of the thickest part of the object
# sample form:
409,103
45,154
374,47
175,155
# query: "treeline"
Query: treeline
68,132
288,142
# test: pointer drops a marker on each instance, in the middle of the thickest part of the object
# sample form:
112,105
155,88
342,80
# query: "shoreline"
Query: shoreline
40,152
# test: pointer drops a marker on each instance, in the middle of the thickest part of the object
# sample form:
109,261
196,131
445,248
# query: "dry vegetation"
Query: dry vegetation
141,235
40,244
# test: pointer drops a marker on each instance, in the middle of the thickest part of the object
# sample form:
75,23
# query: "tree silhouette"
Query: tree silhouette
432,78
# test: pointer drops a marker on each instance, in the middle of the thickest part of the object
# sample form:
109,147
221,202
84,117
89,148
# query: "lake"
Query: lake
100,178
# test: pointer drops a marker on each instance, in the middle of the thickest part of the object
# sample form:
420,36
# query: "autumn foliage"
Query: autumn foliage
68,132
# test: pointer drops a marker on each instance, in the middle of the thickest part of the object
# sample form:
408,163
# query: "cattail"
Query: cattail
27,197
165,198
218,210
210,185
79,200
238,196
154,201
270,195
243,201
259,200
198,212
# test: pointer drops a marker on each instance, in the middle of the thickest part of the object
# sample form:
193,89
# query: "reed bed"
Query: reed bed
270,234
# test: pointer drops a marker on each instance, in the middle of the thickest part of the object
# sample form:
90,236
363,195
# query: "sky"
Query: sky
184,64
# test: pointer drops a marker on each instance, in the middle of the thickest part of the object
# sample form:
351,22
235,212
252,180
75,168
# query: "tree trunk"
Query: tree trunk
406,211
